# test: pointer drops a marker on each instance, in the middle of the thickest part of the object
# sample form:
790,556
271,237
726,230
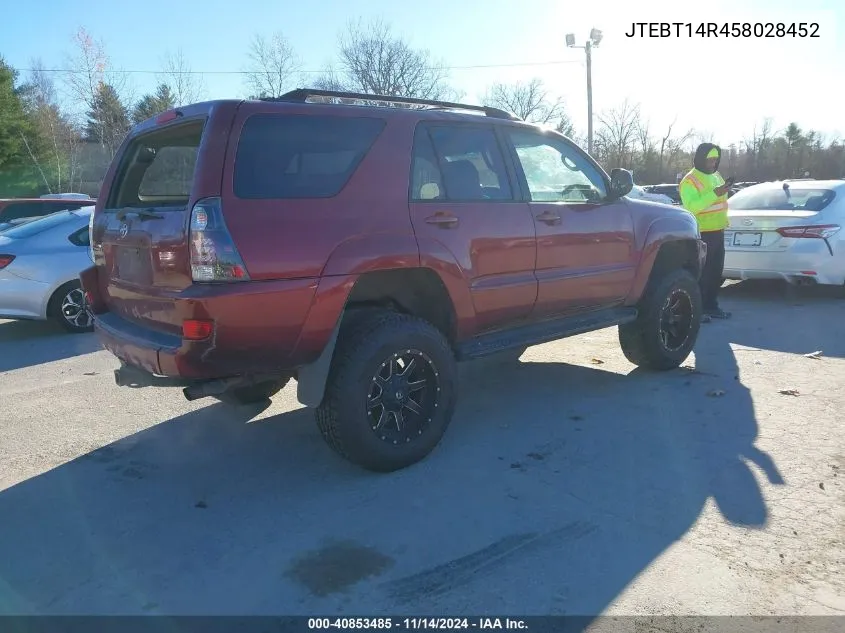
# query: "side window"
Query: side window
556,171
469,164
294,156
80,237
426,179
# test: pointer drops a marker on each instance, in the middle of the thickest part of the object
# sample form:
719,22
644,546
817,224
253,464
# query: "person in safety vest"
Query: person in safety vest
704,194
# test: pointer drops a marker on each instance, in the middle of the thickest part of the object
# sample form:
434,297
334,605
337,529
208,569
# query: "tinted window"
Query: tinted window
16,211
288,156
80,237
555,170
35,227
466,164
782,200
158,168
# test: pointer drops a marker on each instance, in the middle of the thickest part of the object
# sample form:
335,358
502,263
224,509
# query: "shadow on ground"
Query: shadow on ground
555,486
29,343
783,318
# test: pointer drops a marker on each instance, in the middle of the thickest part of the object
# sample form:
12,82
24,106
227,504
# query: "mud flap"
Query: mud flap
311,379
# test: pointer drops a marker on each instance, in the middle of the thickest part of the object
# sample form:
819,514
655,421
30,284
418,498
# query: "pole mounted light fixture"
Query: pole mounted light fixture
595,40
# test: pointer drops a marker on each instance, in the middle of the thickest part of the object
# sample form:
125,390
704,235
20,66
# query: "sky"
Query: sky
720,87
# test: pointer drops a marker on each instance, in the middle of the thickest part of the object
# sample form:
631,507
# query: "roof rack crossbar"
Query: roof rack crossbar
301,95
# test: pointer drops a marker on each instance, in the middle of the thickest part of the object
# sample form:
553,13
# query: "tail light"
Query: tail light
5,260
818,231
197,329
214,257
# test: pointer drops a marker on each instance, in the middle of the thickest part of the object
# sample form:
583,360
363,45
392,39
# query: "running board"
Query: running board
542,332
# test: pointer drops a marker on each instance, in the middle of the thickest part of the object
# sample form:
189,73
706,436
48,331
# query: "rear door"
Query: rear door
139,233
464,199
586,253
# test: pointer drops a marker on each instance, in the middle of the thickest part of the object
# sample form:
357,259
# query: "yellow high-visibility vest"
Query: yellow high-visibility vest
697,197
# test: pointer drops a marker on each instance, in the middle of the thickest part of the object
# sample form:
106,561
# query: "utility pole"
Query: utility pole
595,38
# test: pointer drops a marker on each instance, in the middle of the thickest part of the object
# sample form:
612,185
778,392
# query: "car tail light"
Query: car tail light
214,257
197,329
818,231
5,260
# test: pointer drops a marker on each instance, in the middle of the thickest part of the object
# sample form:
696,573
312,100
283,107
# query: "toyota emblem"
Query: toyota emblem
124,230
748,221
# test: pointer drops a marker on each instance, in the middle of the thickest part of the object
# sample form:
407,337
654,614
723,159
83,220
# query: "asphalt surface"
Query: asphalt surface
568,482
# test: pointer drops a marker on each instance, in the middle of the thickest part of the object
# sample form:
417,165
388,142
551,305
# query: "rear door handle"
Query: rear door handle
444,219
549,217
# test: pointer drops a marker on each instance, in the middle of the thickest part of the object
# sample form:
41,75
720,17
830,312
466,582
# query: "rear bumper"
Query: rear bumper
803,260
260,327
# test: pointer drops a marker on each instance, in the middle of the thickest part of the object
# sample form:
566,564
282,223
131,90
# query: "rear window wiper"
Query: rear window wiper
144,214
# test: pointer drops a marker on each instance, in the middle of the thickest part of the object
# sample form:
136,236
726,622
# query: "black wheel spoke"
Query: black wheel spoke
416,385
676,320
413,407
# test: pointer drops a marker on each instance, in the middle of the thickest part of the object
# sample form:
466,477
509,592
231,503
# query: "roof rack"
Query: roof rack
301,95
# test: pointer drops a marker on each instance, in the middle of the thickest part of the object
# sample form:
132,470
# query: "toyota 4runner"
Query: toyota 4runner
364,244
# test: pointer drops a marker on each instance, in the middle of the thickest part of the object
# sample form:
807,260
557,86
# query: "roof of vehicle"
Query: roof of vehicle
40,200
836,185
390,106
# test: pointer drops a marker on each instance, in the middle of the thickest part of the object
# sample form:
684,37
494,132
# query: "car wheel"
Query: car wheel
391,392
667,326
69,308
250,394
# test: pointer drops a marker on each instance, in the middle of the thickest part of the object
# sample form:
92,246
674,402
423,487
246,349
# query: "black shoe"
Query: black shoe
718,313
705,318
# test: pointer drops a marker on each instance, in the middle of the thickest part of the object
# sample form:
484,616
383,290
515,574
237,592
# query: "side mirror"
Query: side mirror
621,183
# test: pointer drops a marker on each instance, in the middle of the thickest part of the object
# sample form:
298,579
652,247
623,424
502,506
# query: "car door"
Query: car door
586,253
464,202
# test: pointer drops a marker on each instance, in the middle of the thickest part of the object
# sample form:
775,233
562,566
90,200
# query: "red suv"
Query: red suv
364,249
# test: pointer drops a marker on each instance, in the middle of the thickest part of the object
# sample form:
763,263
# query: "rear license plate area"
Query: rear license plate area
132,266
747,239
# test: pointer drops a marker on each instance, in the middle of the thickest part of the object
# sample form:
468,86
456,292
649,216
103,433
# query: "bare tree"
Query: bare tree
58,164
374,60
529,101
616,133
671,147
272,65
185,85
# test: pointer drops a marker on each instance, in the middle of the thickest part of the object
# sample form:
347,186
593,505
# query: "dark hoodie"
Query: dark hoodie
701,156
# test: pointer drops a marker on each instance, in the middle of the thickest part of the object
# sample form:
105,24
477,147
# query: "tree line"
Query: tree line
59,132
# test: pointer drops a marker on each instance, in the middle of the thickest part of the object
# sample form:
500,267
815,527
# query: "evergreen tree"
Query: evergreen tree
108,120
19,142
153,104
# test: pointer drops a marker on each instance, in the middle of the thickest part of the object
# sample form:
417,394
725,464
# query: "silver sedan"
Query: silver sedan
790,230
40,262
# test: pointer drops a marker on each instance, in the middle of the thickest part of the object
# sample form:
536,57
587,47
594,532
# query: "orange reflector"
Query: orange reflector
196,329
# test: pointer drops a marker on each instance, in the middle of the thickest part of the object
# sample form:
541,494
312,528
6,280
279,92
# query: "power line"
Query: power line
69,71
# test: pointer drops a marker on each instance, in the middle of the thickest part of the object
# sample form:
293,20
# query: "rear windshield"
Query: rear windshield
291,156
781,200
34,227
158,168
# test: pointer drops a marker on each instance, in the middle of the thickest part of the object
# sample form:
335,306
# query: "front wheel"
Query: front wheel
667,326
390,394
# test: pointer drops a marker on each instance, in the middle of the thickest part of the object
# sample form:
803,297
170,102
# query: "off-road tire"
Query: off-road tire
251,394
364,344
640,340
54,308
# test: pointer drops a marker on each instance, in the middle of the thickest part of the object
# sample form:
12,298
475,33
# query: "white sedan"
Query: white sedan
638,193
788,230
40,262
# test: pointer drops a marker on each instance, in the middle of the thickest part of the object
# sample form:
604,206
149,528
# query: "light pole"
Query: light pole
595,38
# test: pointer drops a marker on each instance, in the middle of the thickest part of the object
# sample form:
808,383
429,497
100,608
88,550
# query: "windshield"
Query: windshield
781,199
35,227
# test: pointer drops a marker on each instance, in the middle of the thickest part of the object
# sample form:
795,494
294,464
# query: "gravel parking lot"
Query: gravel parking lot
568,483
